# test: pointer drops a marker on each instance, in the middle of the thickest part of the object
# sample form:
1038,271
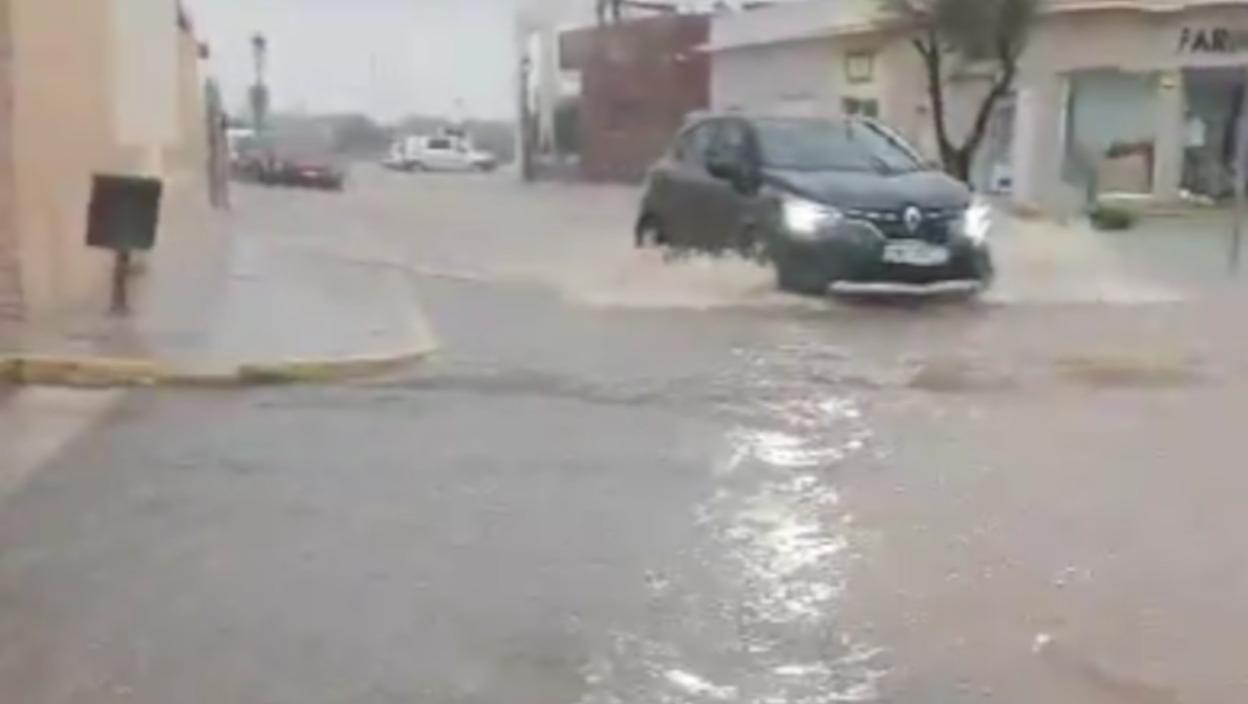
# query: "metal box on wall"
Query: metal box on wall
124,213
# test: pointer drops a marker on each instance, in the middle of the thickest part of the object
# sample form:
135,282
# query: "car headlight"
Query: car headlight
977,222
806,217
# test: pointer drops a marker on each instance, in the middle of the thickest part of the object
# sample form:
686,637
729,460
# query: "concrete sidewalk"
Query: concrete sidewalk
221,303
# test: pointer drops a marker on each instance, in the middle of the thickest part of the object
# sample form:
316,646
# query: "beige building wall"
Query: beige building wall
187,157
64,96
143,52
11,299
793,78
62,132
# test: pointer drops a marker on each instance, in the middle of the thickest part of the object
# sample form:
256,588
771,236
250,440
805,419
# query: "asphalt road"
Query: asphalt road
630,480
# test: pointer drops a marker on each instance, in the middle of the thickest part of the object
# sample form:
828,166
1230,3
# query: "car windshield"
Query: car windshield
826,145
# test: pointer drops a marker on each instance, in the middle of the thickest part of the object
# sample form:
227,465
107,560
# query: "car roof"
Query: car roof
699,117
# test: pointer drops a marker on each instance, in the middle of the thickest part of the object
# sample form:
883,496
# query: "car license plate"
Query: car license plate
915,253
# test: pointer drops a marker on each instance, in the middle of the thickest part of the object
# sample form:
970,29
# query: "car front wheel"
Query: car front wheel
983,266
650,232
795,276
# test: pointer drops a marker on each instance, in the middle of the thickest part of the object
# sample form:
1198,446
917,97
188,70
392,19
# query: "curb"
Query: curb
105,373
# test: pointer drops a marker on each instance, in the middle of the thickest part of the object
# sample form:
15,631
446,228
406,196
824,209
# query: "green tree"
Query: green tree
972,30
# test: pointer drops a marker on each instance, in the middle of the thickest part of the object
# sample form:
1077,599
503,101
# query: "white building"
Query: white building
1134,95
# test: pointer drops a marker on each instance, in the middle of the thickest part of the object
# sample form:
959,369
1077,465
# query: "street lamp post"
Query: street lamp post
260,91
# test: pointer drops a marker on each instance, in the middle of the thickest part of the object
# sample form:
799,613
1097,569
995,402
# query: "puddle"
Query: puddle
960,376
1125,371
777,551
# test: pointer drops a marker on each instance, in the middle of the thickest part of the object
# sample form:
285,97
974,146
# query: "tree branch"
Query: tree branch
1000,87
929,50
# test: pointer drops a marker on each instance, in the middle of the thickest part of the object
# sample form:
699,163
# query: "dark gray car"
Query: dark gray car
827,201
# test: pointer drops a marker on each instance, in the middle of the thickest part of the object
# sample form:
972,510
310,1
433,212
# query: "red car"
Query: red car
292,158
307,173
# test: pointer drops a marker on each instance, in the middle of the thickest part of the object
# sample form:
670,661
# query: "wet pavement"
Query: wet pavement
631,480
223,291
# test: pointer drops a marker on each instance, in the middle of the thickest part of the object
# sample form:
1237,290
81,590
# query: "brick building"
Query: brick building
639,80
85,87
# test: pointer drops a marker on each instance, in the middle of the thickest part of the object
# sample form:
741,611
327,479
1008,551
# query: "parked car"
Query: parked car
844,203
306,172
396,158
440,153
290,157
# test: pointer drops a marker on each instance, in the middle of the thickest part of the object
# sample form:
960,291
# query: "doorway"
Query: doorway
1214,99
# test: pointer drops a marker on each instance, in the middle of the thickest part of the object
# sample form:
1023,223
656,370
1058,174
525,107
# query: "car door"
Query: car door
680,185
436,154
463,156
726,203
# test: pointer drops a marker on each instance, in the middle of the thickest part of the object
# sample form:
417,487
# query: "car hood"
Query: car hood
877,191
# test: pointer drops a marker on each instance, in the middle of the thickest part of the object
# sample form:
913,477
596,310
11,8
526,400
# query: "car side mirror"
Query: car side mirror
731,169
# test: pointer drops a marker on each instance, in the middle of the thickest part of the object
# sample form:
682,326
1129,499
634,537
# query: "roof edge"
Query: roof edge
885,23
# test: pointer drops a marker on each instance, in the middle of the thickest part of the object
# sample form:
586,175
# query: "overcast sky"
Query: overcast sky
388,58
385,57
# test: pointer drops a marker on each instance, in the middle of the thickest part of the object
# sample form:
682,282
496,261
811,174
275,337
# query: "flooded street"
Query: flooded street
626,479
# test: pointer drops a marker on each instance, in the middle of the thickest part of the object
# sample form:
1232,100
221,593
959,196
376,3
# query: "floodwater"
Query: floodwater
698,489
1009,499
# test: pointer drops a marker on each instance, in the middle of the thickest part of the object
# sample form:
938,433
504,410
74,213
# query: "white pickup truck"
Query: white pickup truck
439,153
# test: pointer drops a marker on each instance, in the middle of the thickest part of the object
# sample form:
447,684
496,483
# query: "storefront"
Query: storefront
1127,96
1140,100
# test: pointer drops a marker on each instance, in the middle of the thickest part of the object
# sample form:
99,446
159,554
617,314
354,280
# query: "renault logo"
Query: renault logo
913,217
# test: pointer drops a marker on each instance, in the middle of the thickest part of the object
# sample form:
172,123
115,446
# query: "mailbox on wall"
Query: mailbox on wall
123,216
124,213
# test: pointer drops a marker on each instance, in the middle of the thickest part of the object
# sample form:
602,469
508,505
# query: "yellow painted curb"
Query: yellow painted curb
307,371
8,370
85,372
1130,370
112,373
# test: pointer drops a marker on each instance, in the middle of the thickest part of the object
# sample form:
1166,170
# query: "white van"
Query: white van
439,153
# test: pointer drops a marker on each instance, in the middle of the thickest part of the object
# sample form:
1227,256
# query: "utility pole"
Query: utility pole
525,118
260,90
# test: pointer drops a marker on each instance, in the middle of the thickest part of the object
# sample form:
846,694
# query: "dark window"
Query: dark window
732,140
863,107
833,145
860,67
695,144
439,144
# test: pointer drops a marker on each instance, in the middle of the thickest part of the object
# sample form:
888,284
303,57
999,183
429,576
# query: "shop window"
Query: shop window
861,107
1112,131
860,67
1213,106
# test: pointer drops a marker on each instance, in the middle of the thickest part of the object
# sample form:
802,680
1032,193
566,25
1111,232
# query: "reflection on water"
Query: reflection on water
777,549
